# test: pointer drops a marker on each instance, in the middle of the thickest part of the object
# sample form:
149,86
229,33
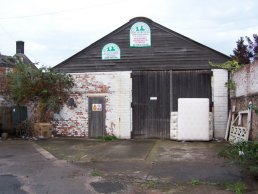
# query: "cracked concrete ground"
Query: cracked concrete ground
22,166
159,166
123,166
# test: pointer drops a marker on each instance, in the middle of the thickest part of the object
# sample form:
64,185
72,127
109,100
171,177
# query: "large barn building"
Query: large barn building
144,80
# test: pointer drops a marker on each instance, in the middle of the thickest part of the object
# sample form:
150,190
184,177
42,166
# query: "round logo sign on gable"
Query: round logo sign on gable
110,51
140,35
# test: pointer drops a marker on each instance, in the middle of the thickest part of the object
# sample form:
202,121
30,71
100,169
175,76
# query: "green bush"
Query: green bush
51,89
244,153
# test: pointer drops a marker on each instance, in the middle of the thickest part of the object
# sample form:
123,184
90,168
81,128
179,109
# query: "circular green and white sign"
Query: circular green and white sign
110,51
140,35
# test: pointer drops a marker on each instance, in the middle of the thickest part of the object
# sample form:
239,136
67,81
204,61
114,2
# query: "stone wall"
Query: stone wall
246,80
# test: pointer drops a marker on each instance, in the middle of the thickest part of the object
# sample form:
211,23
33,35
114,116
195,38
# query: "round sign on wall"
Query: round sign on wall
110,51
140,35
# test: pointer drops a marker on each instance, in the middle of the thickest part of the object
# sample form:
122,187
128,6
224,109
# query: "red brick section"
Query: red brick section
75,120
3,81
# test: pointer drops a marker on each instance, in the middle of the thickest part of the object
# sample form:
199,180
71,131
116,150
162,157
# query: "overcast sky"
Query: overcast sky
53,30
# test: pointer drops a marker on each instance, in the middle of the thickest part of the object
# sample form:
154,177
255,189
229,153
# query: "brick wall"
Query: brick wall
4,94
246,80
3,81
116,87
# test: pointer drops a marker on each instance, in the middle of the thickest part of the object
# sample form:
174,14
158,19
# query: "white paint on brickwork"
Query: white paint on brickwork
246,80
116,87
173,125
220,100
253,81
241,79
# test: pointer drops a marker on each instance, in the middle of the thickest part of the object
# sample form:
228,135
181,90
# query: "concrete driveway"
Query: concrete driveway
123,166
23,169
154,165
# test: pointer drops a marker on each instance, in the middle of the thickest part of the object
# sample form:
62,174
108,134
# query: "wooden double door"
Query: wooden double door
155,94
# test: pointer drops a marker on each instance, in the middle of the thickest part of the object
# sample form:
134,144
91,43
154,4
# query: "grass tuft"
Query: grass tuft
95,173
195,182
238,188
151,183
109,138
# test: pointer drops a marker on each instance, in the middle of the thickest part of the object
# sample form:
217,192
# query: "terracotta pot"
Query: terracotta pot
4,136
43,129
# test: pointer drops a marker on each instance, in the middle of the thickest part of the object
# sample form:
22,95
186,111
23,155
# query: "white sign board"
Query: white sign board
96,107
110,51
140,35
153,98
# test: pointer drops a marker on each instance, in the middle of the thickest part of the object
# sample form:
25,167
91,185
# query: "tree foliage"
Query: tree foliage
48,88
231,65
253,46
246,53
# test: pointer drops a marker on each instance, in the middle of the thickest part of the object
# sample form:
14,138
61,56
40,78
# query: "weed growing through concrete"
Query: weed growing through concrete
151,183
238,188
195,182
95,173
108,138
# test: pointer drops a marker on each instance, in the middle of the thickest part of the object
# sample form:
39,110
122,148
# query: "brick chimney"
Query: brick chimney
19,47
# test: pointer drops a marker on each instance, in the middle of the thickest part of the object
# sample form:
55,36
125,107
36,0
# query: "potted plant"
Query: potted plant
45,89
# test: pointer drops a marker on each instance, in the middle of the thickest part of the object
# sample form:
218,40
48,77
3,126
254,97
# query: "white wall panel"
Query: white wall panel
220,102
193,119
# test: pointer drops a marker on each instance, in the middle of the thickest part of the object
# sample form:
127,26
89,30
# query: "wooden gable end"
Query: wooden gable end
168,51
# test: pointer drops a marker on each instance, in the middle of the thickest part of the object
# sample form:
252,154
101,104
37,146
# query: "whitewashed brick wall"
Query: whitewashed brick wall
116,87
220,100
246,80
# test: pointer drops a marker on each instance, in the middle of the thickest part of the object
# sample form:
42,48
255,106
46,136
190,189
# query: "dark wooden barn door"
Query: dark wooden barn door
151,104
190,84
96,110
155,94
